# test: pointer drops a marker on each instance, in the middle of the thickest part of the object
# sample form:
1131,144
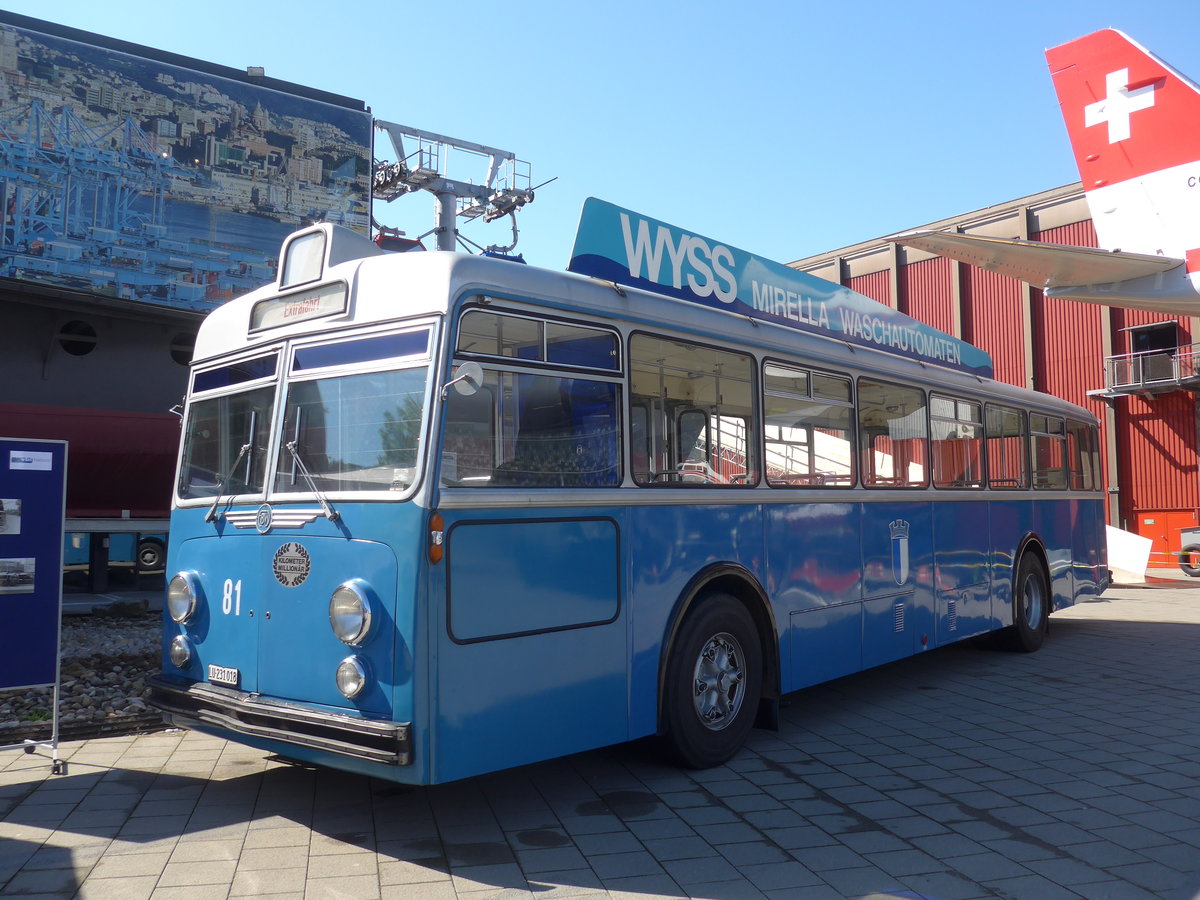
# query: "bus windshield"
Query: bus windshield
352,432
350,419
218,428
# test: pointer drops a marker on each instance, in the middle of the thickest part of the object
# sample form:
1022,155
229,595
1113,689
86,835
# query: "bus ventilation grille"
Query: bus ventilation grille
952,613
898,614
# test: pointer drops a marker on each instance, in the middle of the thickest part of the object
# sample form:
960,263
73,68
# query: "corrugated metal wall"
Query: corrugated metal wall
992,321
927,289
1156,441
876,285
1068,351
1157,435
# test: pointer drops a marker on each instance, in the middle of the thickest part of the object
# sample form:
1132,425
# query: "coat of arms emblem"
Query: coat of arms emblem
899,530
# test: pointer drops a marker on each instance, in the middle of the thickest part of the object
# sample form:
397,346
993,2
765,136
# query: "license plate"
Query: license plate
223,675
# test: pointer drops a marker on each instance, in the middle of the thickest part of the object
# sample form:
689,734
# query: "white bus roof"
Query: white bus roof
384,287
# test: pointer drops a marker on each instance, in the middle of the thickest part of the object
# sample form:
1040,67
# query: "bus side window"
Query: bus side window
1049,450
956,442
699,413
469,445
557,432
809,428
892,435
1007,448
640,451
1082,456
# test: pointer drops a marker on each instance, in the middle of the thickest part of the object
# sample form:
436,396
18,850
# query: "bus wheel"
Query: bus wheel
1189,560
151,555
1031,605
713,683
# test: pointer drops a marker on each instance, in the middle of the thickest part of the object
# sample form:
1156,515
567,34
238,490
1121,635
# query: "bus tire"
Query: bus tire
1188,559
152,555
713,682
1031,605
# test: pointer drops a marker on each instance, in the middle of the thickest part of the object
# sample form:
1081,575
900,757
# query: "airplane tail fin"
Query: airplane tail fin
1134,124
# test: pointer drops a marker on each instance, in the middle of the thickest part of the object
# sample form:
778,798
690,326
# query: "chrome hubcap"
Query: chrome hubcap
717,681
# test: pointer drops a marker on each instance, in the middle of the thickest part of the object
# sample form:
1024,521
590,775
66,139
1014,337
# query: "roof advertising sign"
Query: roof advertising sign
136,174
631,249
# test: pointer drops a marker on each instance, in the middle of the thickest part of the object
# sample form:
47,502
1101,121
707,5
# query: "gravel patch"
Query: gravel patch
105,664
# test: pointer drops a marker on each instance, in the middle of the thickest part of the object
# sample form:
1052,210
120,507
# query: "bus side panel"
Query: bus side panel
1054,522
962,534
1090,556
531,643
814,574
899,609
668,545
1011,521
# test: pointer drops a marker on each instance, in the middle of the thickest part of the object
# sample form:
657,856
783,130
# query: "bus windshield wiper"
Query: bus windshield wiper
212,510
330,513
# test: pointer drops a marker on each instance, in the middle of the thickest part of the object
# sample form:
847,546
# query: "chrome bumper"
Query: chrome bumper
198,704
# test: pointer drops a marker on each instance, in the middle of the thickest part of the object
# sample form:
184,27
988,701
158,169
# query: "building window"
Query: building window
182,347
77,338
1159,337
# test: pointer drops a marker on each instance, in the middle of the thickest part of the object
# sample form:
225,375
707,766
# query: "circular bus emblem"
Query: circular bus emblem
291,564
262,521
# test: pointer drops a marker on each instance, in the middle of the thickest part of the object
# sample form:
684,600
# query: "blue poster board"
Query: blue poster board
33,478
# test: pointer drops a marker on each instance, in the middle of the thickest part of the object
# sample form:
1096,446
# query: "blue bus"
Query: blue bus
438,515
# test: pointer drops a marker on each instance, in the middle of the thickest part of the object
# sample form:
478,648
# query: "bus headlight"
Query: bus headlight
183,594
350,612
351,677
180,652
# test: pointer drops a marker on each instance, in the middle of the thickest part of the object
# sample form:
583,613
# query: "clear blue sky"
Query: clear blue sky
782,128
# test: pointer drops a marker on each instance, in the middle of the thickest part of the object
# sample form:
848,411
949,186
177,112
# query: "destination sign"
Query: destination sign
630,249
311,304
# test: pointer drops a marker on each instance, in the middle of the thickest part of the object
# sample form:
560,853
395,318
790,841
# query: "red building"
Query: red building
1135,370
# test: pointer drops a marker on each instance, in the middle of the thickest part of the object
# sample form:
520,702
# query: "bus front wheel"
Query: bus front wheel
1031,605
713,683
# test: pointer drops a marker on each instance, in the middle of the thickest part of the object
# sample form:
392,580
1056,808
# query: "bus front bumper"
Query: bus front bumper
198,704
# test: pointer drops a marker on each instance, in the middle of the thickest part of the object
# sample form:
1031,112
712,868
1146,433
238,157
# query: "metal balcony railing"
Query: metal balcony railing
1153,371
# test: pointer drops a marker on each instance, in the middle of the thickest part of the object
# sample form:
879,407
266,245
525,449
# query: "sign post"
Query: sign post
33,478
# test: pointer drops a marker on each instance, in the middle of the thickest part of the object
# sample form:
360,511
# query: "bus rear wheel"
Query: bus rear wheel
713,683
1031,605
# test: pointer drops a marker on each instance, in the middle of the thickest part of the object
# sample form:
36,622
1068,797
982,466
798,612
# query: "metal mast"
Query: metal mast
422,166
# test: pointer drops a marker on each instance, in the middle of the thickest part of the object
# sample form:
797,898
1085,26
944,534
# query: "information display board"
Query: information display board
32,494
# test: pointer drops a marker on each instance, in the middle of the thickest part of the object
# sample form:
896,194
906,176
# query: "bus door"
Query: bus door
962,527
897,534
814,544
1088,538
532,647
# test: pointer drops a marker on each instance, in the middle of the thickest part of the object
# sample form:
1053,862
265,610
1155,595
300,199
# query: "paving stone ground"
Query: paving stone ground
964,773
